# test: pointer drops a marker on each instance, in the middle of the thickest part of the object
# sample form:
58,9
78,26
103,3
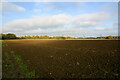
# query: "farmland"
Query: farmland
67,58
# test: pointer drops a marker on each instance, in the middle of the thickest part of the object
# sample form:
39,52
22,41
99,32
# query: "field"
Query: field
67,58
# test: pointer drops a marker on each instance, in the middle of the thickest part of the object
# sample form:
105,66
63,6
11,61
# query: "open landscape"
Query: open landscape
48,39
66,58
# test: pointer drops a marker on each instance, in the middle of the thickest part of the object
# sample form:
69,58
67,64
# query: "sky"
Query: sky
75,19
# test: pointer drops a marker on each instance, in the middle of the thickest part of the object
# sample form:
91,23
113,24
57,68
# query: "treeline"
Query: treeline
13,36
8,36
45,37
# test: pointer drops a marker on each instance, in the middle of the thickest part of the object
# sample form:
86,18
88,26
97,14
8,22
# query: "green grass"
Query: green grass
8,66
12,52
3,43
6,44
18,58
23,67
0,43
1,40
30,74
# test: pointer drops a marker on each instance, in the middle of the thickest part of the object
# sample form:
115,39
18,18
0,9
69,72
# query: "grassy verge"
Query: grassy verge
14,67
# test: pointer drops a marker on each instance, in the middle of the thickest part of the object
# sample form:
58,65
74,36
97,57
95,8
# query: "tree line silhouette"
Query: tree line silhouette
13,36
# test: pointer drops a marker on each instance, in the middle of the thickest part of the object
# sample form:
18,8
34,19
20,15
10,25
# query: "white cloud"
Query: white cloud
108,29
9,7
88,23
58,30
55,21
74,32
91,19
112,28
94,17
39,22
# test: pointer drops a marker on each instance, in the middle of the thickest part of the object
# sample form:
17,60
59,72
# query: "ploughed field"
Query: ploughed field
68,58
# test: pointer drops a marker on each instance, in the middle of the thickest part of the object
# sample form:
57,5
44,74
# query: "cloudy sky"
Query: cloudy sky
60,18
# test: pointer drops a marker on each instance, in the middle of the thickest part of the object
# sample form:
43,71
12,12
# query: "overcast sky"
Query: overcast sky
60,18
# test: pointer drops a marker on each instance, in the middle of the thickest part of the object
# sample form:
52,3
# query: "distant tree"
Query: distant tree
33,37
45,37
62,37
110,37
54,37
117,37
11,36
0,36
40,37
29,37
22,37
37,36
69,37
4,36
50,37
59,37
25,37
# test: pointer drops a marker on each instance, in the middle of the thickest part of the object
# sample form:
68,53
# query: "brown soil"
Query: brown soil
69,58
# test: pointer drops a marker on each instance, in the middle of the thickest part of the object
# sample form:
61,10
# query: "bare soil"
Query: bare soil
69,58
